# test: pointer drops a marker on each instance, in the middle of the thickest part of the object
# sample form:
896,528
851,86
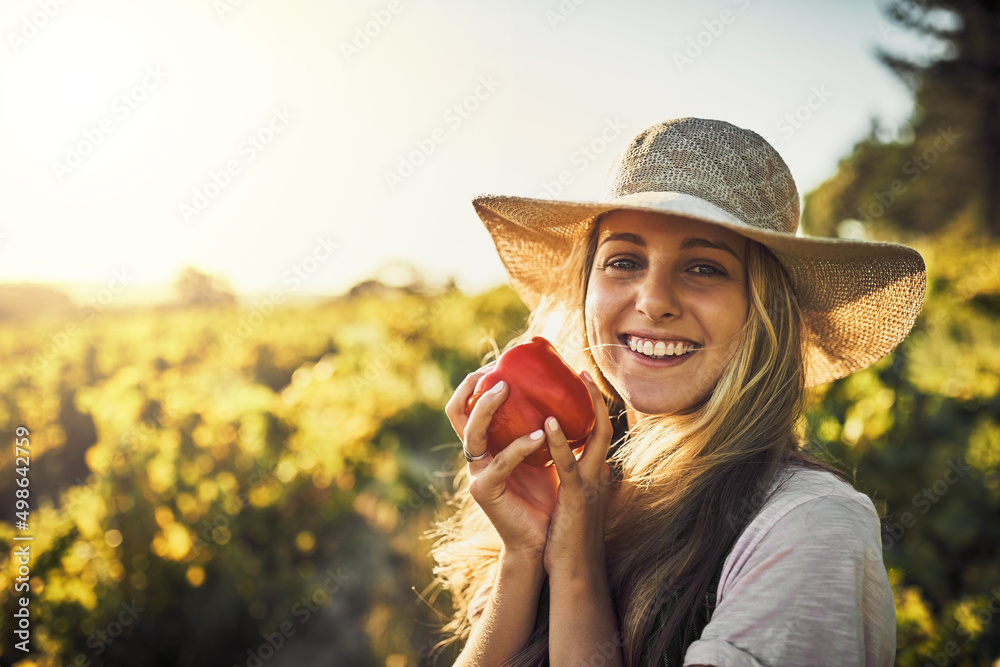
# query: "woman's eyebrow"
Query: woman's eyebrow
686,244
695,242
627,237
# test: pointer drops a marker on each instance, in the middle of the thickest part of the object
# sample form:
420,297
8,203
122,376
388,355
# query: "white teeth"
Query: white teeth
658,348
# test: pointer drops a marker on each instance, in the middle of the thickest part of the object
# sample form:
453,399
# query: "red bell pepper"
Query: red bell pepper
540,385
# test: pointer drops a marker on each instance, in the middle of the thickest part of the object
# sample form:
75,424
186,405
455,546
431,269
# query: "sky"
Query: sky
304,146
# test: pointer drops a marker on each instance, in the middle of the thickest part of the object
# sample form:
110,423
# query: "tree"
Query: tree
950,168
195,288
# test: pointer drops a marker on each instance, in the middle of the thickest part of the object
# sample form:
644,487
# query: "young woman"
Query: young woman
694,528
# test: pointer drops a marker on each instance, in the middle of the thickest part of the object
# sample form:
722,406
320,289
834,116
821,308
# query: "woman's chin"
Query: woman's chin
656,401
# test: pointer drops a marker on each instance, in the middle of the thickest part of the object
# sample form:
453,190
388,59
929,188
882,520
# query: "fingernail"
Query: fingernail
497,388
551,424
537,435
586,376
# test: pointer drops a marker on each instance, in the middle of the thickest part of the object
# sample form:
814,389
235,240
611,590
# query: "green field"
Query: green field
237,486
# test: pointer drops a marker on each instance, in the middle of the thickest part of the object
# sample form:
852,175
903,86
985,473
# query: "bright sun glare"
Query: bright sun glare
76,78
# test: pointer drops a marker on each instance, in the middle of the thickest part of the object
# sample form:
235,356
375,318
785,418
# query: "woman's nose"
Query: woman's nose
657,296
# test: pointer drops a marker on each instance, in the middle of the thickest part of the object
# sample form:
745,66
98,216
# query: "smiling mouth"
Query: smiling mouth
658,349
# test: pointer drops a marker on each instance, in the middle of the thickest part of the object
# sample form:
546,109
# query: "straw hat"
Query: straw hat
859,299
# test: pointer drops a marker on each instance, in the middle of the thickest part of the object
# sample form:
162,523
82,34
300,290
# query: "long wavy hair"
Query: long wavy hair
685,485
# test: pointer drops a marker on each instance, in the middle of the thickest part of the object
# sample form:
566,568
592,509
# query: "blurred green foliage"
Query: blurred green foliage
943,164
921,432
209,484
921,427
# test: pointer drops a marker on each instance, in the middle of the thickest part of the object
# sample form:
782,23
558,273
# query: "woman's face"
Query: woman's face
666,302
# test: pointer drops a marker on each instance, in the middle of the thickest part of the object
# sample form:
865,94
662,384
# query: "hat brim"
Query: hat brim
859,299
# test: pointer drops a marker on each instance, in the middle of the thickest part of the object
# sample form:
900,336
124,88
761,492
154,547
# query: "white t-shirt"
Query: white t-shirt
804,584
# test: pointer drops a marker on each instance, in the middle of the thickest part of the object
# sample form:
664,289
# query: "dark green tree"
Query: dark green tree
947,167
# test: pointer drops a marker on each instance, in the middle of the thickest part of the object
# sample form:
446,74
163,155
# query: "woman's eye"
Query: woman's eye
707,270
621,263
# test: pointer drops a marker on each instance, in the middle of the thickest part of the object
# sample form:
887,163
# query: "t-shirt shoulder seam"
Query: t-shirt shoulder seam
834,487
776,509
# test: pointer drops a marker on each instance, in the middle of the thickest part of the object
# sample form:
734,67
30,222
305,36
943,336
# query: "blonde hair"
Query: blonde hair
685,485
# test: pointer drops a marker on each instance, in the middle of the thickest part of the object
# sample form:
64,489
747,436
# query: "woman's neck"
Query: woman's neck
633,416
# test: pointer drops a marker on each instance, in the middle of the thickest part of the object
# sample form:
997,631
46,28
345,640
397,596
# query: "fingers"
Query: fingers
594,458
595,454
562,456
491,472
455,409
576,532
478,422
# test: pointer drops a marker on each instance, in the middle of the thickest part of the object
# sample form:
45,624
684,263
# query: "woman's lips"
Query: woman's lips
665,361
653,348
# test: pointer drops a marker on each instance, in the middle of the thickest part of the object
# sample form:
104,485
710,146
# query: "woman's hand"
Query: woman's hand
582,622
551,518
518,500
575,543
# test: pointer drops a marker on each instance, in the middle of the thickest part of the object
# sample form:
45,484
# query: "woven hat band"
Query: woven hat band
732,168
